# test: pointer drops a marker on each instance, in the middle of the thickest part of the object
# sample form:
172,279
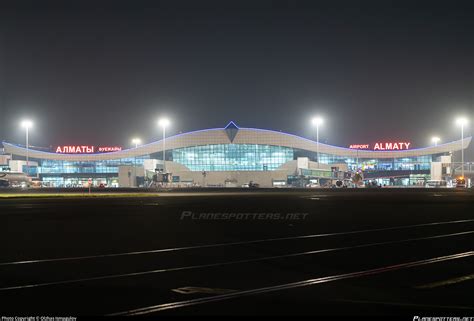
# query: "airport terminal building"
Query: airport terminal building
233,156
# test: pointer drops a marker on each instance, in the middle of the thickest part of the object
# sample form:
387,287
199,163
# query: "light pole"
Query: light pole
136,142
357,165
462,122
317,121
435,140
27,124
164,122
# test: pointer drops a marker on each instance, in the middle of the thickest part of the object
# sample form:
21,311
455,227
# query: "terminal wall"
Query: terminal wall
232,178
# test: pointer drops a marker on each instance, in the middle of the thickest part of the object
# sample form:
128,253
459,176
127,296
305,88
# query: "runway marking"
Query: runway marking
287,286
201,266
193,247
417,305
315,195
192,290
446,282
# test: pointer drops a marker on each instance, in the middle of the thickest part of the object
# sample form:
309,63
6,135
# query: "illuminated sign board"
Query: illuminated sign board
108,149
359,146
392,146
383,146
86,149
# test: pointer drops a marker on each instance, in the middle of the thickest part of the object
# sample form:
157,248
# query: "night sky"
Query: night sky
92,72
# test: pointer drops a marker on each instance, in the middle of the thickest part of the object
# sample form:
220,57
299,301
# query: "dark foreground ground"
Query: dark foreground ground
407,252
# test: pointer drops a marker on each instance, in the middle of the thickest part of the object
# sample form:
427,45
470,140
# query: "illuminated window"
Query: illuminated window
233,157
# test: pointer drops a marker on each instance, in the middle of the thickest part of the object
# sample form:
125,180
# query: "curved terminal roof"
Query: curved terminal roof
233,134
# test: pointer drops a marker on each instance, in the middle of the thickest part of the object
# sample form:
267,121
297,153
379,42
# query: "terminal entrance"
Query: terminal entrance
78,182
408,180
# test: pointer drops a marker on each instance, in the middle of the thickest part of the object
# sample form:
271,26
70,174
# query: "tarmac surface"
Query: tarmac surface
234,252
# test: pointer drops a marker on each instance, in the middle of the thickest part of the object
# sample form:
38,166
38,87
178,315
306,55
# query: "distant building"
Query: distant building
232,156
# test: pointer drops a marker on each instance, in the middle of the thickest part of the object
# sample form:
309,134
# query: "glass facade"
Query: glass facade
90,167
64,181
57,173
230,157
411,180
400,164
381,164
233,157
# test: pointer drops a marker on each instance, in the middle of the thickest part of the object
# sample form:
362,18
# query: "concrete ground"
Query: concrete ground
234,252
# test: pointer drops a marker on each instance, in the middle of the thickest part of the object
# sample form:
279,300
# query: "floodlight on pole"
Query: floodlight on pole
462,121
435,140
317,121
27,124
163,123
136,142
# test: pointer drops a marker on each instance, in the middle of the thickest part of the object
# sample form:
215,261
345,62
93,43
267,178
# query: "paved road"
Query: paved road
272,252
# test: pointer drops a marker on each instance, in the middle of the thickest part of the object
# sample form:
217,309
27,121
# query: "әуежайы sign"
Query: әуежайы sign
86,149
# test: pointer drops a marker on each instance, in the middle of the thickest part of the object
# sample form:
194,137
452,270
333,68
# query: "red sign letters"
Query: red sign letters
86,149
383,146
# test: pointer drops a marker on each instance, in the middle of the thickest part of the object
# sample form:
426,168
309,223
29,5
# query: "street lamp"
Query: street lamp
136,142
435,140
27,124
317,121
462,121
164,122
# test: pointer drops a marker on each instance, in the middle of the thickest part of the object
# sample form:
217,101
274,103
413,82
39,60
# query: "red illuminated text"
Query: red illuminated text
392,146
85,149
75,149
109,149
383,146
